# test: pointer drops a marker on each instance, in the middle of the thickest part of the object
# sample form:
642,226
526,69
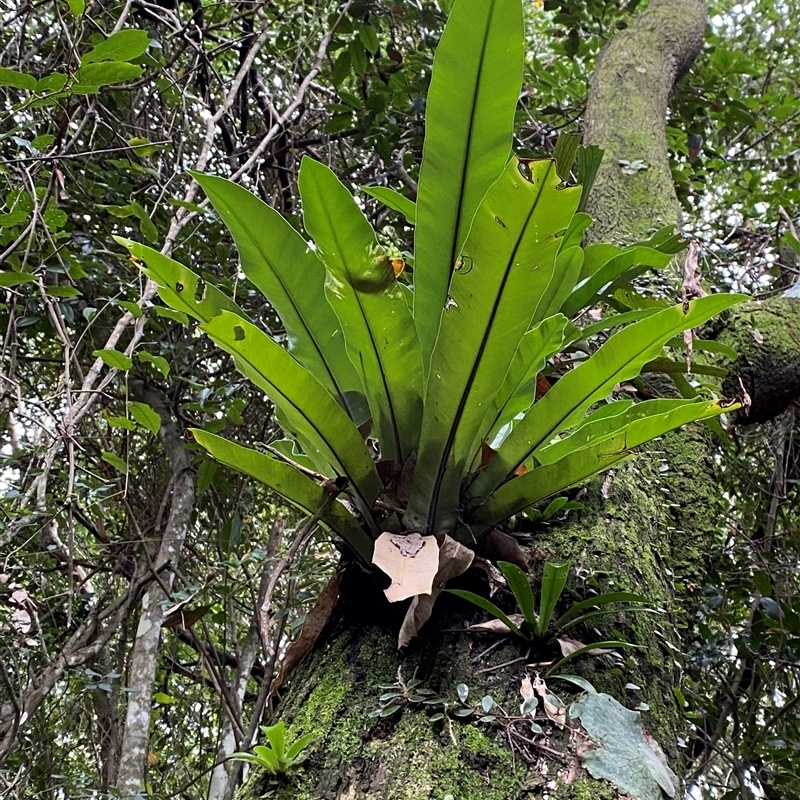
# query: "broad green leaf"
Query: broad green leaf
507,262
134,309
577,465
554,580
313,417
206,473
518,389
105,73
120,46
288,449
178,286
171,313
564,153
487,605
610,644
115,461
580,682
114,359
678,412
577,609
16,79
369,38
146,224
279,262
523,491
620,358
589,159
267,758
54,82
362,289
358,56
604,612
704,345
629,263
520,586
276,735
394,200
121,422
615,321
469,124
9,279
76,7
565,275
248,758
298,489
159,362
146,416
578,226
294,751
670,367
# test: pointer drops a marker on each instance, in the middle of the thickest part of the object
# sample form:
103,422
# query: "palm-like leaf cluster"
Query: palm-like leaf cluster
444,365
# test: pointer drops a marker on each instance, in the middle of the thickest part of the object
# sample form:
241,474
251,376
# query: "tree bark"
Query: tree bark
144,654
626,114
621,535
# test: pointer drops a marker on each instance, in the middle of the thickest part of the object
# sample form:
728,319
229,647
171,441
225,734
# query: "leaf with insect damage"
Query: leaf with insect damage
410,560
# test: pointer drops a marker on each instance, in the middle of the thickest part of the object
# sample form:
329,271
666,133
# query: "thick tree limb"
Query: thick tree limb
625,115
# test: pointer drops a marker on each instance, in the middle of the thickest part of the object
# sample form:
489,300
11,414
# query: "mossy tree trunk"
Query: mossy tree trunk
645,527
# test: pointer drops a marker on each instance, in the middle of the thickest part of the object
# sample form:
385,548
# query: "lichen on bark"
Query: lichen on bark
626,113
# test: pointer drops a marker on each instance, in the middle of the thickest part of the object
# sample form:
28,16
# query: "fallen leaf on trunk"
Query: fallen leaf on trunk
570,646
496,578
526,688
553,707
316,619
499,546
406,476
497,625
529,700
410,560
454,560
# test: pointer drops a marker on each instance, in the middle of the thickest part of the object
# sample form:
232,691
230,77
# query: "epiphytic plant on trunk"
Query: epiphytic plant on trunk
443,361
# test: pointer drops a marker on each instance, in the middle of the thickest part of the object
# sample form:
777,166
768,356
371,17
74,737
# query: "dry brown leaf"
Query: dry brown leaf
569,645
526,688
487,454
556,711
496,578
410,560
499,546
497,625
406,477
315,621
185,617
454,560
543,386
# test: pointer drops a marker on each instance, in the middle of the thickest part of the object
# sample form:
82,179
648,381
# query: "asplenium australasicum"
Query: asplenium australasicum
443,359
